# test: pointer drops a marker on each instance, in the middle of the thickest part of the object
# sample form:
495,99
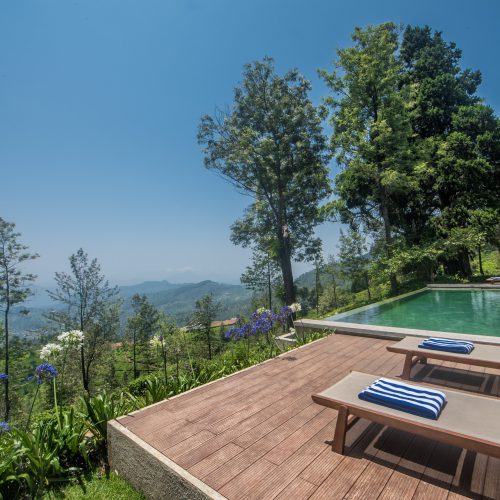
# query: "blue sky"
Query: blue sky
100,102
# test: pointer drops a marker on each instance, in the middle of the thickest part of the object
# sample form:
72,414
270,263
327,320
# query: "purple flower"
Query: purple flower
232,333
3,376
45,372
4,427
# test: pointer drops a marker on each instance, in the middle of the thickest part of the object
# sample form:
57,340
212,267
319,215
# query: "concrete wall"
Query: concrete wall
149,471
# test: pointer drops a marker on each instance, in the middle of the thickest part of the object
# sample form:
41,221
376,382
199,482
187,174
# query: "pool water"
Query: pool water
460,311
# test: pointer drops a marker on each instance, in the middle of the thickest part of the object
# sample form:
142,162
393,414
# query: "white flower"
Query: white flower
73,338
296,307
262,310
156,341
292,331
50,350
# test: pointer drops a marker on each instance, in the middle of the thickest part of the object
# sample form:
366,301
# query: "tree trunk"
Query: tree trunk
459,265
269,287
164,356
134,354
85,380
209,344
6,381
84,374
388,238
480,260
286,266
367,281
317,290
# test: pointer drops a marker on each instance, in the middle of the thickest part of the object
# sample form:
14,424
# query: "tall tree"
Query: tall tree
332,270
142,326
206,310
91,307
261,275
13,289
270,146
371,131
354,261
459,142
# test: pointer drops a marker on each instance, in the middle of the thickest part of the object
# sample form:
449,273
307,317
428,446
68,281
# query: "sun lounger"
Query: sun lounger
468,421
487,356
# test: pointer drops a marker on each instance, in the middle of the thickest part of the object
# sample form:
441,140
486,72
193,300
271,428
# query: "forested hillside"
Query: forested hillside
174,299
409,166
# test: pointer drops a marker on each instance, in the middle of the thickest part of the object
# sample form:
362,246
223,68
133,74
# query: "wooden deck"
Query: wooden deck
258,435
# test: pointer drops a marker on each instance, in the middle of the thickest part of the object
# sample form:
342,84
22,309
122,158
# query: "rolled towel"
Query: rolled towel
448,345
421,401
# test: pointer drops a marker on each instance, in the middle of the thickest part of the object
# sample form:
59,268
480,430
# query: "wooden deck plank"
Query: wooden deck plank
242,484
215,460
298,489
373,479
492,479
257,434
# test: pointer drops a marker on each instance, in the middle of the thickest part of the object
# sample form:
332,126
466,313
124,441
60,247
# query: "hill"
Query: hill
179,301
175,299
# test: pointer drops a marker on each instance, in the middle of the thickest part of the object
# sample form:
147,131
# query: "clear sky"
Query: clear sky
100,102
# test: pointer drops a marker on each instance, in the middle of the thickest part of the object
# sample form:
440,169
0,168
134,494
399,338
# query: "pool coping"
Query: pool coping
392,332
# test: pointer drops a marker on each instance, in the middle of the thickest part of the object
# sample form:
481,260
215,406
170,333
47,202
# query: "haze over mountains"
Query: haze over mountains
175,299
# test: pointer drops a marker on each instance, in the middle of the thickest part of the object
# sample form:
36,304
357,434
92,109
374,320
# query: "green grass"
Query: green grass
97,487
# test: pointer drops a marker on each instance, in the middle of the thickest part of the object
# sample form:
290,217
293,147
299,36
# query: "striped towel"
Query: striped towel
420,401
449,345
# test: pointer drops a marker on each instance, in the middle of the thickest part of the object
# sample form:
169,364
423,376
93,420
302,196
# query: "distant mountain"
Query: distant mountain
148,287
175,299
179,300
308,279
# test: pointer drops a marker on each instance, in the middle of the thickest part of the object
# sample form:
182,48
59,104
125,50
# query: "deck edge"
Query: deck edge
151,472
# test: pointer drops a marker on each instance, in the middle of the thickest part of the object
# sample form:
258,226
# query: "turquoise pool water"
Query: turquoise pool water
461,311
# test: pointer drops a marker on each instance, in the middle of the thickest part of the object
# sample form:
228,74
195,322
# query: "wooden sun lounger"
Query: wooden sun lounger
487,356
468,421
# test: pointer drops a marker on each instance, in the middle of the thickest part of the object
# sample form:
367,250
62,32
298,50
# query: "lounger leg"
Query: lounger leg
340,431
407,367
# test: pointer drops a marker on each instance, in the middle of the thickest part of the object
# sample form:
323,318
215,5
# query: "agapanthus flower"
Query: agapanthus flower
262,324
232,333
282,316
73,338
50,350
3,376
295,307
45,373
4,427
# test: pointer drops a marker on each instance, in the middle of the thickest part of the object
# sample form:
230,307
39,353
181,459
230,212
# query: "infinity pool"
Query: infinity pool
460,311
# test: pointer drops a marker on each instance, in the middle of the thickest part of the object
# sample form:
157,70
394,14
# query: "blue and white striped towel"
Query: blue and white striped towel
420,401
449,345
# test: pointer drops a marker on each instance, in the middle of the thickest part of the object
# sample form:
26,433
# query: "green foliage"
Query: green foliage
271,147
90,307
53,451
262,275
96,486
13,290
205,312
419,152
98,410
